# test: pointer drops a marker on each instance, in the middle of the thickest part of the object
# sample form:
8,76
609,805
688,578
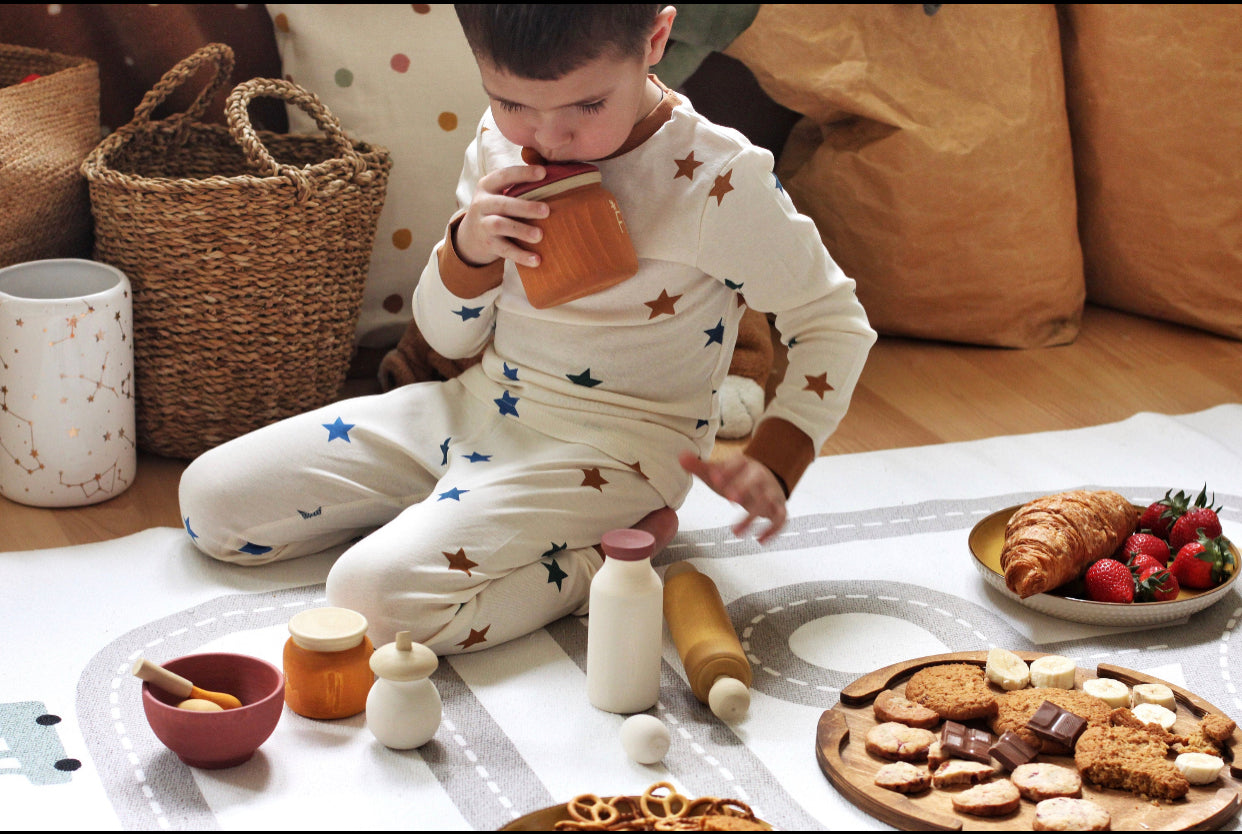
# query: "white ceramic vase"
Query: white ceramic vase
66,383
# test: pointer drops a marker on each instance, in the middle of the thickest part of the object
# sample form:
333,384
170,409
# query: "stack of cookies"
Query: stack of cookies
991,735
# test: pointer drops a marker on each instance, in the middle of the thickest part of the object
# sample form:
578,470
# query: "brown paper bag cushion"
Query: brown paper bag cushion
1153,95
935,160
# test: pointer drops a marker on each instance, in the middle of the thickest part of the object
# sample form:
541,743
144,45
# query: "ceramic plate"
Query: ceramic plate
1069,602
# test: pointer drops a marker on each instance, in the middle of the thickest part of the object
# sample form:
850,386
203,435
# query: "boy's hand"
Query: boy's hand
746,482
492,225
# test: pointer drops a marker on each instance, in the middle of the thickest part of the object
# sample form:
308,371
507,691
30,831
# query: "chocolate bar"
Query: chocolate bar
1052,723
1012,750
961,742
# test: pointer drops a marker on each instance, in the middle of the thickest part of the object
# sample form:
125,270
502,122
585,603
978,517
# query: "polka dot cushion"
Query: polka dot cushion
401,76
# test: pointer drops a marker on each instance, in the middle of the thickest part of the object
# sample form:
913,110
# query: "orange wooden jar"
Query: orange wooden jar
327,663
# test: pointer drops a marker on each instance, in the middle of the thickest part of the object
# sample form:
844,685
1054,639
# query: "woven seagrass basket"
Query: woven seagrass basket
247,251
47,127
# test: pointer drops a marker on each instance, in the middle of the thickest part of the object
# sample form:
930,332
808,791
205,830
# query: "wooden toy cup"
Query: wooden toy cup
585,246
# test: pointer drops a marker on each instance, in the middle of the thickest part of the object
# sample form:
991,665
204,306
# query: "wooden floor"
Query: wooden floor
912,393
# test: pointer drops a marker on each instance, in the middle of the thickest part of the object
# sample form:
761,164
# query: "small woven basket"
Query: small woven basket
47,127
247,251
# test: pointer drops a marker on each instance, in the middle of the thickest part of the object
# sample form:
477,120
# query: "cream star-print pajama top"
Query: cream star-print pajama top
478,501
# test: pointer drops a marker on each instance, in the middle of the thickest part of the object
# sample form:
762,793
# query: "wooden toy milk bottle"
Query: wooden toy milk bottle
625,628
404,707
717,668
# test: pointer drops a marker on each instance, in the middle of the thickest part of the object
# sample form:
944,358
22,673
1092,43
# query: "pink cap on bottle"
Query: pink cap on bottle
628,544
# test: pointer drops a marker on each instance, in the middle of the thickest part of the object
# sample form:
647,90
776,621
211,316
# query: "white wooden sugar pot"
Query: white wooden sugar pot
403,707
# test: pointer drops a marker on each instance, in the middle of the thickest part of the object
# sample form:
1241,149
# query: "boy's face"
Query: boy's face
584,115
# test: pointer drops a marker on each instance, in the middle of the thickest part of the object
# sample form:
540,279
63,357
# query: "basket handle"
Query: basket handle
237,111
219,54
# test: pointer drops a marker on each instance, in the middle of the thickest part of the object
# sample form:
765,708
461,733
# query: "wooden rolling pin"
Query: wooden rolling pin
718,669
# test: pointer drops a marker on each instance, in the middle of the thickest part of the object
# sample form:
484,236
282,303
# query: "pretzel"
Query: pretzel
594,810
672,804
653,811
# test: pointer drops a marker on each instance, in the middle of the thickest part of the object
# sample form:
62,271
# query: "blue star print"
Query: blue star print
254,549
475,457
715,334
338,429
556,548
193,535
468,313
453,493
510,373
444,451
507,403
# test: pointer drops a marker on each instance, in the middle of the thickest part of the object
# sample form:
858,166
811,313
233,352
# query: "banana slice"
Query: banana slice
1007,670
1109,690
1199,768
1154,714
1053,671
1154,693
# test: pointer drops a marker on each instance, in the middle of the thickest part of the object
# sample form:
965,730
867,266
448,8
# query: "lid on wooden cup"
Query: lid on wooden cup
560,177
327,629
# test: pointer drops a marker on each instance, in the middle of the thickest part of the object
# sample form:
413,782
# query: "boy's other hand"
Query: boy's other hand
746,482
492,226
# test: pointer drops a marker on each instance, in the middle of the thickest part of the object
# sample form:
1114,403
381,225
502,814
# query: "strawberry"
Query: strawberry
1199,517
1155,583
1147,544
1141,561
1160,515
1110,581
1202,564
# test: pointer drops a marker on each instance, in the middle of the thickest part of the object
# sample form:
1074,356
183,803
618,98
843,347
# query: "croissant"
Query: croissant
1052,540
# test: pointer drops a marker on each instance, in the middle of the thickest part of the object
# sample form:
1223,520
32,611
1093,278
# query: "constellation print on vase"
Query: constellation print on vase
66,383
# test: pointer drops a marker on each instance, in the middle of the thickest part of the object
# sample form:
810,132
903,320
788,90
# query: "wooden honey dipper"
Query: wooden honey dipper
174,684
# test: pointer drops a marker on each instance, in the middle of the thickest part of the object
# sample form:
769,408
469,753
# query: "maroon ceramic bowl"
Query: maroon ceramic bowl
218,739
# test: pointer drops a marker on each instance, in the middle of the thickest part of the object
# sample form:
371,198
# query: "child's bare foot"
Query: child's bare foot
662,524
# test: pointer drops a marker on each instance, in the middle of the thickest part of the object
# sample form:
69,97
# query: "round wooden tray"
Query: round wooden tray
843,758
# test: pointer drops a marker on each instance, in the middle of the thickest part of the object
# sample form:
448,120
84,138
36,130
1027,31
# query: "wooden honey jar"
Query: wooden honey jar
327,663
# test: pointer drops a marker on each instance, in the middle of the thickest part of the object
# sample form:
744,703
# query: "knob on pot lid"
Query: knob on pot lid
404,660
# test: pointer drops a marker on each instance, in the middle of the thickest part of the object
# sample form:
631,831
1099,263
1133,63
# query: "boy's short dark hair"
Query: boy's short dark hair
543,41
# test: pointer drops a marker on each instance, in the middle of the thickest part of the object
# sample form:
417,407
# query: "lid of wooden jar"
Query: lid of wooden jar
404,660
327,629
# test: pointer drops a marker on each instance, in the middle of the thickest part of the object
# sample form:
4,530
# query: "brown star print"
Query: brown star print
638,467
663,305
685,167
459,561
722,186
818,384
592,478
475,637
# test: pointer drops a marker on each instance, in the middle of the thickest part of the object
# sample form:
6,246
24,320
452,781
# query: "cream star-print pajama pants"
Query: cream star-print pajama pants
475,528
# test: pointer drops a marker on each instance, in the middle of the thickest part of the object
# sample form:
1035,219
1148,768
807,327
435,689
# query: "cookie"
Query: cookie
992,799
899,743
957,691
903,777
1131,760
1038,781
1014,710
1209,737
936,755
957,772
889,706
1065,814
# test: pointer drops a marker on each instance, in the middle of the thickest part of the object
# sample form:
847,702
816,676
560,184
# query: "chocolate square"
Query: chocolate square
1012,750
962,742
1052,723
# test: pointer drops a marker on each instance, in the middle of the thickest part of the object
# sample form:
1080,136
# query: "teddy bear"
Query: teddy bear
742,396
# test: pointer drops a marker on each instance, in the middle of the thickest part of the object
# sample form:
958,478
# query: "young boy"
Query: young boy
481,500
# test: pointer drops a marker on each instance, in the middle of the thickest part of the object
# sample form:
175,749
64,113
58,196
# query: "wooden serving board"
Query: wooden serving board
842,755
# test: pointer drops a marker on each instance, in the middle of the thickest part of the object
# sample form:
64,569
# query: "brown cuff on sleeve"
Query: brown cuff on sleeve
462,279
782,447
